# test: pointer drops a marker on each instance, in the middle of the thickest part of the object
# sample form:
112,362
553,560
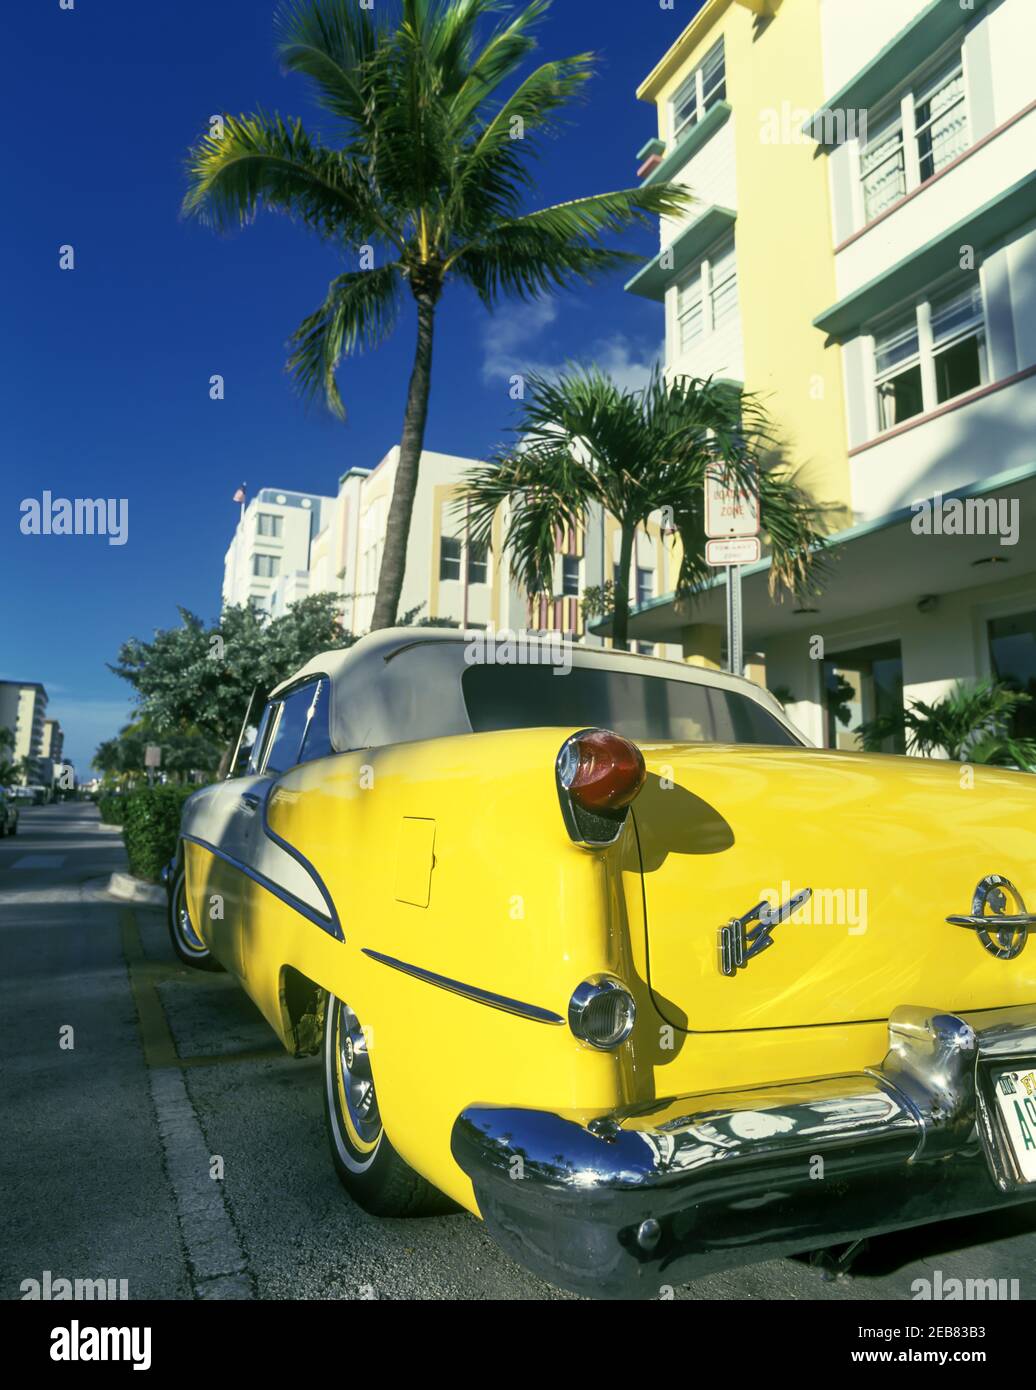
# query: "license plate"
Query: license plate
1015,1093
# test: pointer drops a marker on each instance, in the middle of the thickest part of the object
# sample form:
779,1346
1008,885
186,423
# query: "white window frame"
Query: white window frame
927,353
697,81
705,299
642,570
274,561
562,592
905,102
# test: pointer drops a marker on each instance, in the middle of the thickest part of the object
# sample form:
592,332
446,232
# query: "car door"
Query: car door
297,731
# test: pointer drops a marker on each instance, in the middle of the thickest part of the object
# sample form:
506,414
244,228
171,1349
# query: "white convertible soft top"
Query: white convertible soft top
404,683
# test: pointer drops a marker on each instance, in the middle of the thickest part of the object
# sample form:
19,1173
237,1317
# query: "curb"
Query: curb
135,890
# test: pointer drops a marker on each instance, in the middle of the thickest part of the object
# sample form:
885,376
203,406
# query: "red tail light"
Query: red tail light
600,770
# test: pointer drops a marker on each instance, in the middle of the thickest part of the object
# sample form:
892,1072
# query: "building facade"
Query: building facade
448,578
23,708
271,547
863,253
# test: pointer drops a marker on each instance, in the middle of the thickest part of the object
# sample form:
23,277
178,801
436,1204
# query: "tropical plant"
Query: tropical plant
426,184
581,439
150,820
185,750
971,723
205,678
7,766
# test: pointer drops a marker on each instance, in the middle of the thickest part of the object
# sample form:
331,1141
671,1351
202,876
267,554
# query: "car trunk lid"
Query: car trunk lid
890,847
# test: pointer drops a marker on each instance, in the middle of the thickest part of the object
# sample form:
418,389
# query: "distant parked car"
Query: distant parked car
8,813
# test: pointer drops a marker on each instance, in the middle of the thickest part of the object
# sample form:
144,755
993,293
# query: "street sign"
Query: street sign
152,755
744,551
729,511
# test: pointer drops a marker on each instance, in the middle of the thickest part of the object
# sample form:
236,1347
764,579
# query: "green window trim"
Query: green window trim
689,146
923,266
907,51
652,281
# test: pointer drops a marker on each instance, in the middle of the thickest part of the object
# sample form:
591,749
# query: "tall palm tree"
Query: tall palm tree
582,439
427,181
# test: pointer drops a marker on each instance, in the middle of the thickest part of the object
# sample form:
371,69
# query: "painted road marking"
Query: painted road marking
218,1267
39,861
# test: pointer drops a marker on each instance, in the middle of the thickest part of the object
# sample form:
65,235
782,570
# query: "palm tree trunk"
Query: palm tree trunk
621,616
393,561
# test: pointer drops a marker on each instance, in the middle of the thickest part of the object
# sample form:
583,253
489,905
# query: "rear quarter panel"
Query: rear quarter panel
450,855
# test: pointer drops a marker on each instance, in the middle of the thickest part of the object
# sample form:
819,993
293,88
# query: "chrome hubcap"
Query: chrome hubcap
357,1080
187,933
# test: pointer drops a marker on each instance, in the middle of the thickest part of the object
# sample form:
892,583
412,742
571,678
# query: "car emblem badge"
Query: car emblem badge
739,940
1002,933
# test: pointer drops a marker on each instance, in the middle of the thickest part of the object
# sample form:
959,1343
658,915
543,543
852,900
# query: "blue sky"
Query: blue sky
106,367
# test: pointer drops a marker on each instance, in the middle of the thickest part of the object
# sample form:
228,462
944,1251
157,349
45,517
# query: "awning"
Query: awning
877,565
692,243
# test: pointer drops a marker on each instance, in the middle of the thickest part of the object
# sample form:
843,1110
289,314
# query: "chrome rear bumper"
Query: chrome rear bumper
622,1204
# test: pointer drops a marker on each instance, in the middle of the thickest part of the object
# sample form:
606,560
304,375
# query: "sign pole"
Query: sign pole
735,657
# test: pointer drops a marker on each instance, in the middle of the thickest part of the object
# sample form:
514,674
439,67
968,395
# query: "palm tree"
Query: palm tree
969,724
582,440
426,184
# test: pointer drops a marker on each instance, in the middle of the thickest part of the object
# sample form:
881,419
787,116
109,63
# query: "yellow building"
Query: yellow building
862,254
742,273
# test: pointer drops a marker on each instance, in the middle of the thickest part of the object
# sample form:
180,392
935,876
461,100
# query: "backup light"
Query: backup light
602,1012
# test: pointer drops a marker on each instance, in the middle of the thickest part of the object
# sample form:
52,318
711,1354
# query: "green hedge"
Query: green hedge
150,826
111,808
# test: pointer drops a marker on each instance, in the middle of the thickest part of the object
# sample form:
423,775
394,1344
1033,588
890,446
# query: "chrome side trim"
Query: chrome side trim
479,996
302,861
329,923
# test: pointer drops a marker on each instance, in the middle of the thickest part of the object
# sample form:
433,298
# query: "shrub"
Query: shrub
150,826
111,808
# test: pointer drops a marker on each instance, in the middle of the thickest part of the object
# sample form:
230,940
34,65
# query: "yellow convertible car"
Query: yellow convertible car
594,946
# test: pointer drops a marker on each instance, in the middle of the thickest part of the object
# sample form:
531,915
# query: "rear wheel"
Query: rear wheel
187,944
367,1165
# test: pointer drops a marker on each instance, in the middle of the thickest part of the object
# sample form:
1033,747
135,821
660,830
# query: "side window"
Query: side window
741,720
286,745
317,740
262,737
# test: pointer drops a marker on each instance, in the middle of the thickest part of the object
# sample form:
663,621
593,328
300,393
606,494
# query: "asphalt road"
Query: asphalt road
128,1079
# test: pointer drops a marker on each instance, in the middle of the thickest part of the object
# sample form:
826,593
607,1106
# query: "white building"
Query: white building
23,708
271,546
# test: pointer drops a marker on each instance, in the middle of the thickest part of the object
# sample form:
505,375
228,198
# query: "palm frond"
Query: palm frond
545,491
330,41
500,58
265,160
359,313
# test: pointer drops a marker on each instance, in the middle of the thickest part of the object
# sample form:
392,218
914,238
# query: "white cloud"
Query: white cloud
516,343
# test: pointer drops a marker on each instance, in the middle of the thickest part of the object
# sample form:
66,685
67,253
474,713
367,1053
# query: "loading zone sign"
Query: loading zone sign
731,513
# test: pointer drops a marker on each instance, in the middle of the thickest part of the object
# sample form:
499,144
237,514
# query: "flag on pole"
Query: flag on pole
239,496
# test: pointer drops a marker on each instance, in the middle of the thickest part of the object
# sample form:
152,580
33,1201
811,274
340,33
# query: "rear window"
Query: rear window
643,708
